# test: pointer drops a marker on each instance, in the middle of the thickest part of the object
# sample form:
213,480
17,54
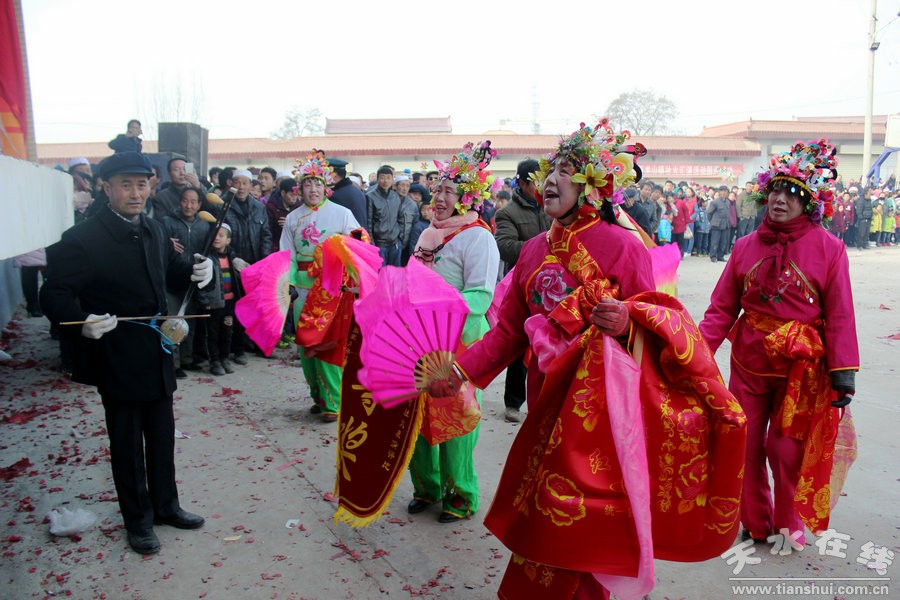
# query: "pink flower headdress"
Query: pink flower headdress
604,162
316,166
809,167
468,170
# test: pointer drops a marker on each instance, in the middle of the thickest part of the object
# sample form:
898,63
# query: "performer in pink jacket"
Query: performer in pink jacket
784,299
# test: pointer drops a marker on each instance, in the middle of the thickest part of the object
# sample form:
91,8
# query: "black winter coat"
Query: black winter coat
352,198
517,222
107,265
251,238
193,236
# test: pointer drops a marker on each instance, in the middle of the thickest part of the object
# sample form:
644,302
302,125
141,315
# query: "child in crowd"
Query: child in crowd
426,211
664,231
701,229
219,301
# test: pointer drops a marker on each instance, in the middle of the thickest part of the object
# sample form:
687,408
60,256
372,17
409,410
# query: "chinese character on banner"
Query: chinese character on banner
875,557
741,555
831,543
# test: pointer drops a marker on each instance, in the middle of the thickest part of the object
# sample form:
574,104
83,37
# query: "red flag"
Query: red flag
12,84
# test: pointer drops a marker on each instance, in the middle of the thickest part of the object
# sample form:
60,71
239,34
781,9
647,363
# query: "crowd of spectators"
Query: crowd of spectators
394,206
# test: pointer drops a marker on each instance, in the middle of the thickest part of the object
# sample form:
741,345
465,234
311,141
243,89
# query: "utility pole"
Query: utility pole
870,92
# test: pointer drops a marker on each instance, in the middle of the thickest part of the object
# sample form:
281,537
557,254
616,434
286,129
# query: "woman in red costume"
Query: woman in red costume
784,300
613,466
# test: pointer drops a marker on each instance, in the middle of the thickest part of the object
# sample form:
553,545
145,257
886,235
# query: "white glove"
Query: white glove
100,324
203,270
239,264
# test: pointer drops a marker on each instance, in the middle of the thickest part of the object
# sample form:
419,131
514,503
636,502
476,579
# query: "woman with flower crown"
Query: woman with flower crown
589,496
305,228
784,300
460,247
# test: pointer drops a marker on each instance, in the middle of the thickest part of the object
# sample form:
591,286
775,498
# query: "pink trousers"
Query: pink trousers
760,397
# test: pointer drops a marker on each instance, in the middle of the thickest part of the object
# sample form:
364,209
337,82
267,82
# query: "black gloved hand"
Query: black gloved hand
293,292
844,398
844,383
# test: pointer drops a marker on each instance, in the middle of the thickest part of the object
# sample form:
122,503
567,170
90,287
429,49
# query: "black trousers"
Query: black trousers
514,392
862,231
718,243
29,278
221,325
142,453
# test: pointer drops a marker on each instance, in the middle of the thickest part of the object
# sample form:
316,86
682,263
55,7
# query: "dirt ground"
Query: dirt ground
251,459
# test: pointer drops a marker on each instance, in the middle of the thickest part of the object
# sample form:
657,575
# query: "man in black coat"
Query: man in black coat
251,241
117,265
517,222
130,141
345,193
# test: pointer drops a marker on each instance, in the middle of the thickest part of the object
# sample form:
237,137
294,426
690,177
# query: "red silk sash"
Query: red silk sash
805,412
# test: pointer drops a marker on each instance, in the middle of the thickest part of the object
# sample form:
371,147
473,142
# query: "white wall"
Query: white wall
36,203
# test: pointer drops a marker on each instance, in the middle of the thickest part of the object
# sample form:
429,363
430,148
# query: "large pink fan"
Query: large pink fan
264,307
411,326
665,260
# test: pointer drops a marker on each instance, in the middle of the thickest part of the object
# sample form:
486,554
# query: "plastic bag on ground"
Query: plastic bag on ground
65,522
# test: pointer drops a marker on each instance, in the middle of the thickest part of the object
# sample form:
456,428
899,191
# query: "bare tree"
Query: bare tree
172,100
299,122
642,112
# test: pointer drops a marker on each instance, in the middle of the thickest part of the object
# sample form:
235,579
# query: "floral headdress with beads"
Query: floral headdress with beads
808,167
604,162
316,167
468,170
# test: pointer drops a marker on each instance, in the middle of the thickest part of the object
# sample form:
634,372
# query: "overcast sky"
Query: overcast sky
239,66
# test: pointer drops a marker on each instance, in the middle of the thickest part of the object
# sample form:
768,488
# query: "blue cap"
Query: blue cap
336,162
130,163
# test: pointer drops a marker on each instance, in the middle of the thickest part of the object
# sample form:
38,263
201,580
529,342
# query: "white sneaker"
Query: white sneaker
513,415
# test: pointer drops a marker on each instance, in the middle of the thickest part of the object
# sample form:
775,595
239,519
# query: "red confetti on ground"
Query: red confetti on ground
883,307
896,336
268,577
14,538
21,417
380,553
218,563
227,392
15,469
329,497
20,364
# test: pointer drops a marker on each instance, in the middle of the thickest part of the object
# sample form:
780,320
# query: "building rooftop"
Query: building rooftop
423,146
808,127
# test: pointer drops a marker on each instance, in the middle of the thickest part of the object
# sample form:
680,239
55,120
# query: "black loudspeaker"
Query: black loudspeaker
188,139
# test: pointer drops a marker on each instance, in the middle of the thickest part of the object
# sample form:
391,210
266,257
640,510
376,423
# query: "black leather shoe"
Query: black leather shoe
180,374
181,519
416,506
447,517
745,535
144,541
